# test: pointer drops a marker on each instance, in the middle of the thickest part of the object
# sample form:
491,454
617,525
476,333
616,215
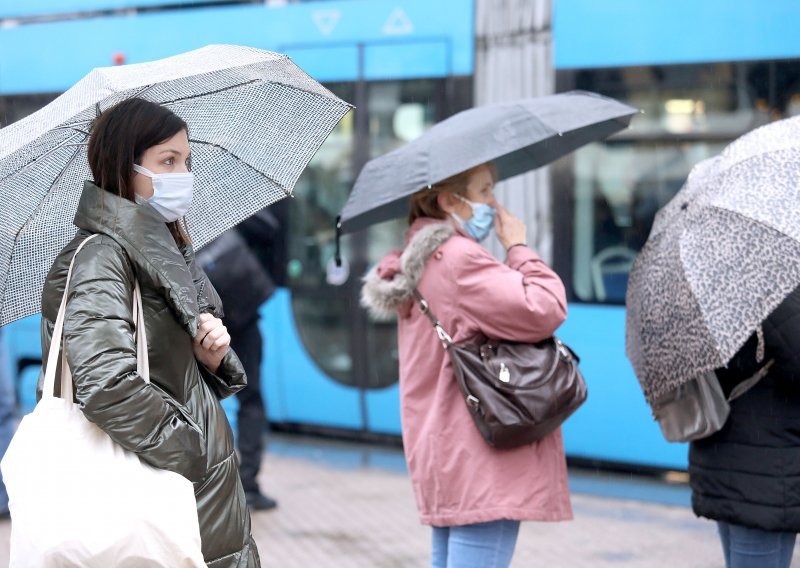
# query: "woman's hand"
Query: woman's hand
510,230
211,342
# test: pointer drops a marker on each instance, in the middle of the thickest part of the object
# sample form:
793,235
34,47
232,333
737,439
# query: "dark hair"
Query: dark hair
119,138
425,203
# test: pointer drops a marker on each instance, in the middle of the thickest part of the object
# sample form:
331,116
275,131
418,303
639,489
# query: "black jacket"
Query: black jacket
239,276
748,473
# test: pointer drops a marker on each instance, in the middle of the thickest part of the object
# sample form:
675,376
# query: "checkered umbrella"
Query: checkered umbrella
722,254
255,120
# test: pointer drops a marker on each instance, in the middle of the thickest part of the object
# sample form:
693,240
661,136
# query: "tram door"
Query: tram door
327,364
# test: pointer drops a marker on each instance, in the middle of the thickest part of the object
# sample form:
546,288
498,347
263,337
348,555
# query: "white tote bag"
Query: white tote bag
77,498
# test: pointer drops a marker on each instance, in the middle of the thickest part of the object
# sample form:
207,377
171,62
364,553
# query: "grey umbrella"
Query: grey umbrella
255,120
517,136
722,254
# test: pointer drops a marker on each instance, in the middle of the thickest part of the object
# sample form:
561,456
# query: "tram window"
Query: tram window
324,314
399,112
320,312
618,189
691,112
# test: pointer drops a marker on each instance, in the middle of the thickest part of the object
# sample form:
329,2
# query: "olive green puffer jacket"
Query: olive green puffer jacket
176,422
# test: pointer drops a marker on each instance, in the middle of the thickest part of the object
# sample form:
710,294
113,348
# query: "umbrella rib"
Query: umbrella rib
206,93
259,172
65,143
293,87
200,95
41,203
71,127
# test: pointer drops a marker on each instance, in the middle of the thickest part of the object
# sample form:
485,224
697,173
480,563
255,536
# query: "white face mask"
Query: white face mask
172,193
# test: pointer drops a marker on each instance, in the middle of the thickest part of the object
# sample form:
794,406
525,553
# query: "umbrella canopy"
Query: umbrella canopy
722,254
255,120
517,136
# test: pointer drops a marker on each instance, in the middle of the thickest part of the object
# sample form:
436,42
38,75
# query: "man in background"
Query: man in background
244,283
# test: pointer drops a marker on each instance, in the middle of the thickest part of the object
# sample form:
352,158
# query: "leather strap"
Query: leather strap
447,342
425,309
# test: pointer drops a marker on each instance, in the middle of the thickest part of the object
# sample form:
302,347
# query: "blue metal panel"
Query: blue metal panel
383,410
27,8
405,61
611,33
334,63
615,422
23,339
295,389
34,57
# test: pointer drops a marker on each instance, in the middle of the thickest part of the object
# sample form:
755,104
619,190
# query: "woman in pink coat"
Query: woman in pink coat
473,495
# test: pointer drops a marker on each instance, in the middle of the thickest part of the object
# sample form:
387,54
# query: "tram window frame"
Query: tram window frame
364,336
773,89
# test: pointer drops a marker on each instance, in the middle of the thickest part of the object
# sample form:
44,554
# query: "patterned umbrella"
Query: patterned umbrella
722,254
255,120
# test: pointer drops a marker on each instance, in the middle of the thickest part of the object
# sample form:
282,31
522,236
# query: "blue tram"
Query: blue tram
704,73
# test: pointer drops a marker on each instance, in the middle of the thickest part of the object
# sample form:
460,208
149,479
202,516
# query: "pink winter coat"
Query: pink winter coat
457,477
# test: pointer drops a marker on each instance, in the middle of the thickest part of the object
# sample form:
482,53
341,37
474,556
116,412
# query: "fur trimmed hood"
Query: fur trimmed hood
388,286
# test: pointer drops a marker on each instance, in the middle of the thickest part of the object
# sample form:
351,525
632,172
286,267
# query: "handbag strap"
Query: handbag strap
447,342
424,307
58,343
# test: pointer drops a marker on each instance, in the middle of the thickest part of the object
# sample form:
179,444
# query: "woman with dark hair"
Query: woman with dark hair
474,496
139,155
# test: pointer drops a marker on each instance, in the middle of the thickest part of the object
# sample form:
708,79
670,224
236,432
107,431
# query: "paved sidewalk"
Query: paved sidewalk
354,518
353,508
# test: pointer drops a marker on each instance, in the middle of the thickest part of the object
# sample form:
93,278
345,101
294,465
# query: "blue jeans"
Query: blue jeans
482,545
744,547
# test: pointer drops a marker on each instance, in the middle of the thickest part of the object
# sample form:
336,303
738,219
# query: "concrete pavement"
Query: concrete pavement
351,506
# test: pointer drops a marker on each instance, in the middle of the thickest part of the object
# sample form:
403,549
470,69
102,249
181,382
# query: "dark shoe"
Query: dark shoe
258,502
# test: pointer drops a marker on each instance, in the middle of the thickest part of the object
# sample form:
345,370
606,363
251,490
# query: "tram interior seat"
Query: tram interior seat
610,268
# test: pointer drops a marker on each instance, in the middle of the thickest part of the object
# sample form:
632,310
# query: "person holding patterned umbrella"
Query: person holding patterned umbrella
139,156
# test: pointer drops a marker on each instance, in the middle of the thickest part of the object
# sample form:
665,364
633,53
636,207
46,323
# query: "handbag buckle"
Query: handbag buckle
473,402
445,338
563,350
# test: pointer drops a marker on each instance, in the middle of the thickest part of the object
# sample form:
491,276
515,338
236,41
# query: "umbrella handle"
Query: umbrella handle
338,254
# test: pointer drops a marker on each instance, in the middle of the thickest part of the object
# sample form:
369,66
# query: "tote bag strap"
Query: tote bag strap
58,344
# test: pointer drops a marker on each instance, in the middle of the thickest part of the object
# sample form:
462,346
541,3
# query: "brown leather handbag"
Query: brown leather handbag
516,393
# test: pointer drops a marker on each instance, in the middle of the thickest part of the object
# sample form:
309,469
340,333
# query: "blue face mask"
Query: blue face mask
482,221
